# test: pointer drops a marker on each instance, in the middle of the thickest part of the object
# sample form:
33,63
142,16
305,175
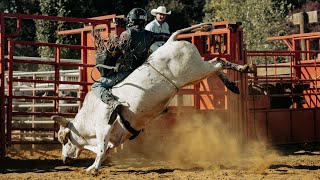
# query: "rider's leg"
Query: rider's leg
101,87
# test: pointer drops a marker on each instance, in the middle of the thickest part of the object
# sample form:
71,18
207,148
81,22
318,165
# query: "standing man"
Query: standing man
158,25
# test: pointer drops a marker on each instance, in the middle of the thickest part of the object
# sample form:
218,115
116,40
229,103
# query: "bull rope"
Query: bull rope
172,83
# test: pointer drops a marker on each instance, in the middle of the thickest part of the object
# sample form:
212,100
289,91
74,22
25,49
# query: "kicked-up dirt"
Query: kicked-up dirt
188,152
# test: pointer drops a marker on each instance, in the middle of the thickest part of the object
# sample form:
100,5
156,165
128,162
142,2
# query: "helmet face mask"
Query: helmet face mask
136,16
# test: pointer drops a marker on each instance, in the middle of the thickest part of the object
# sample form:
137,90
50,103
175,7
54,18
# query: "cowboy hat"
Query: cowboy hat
161,10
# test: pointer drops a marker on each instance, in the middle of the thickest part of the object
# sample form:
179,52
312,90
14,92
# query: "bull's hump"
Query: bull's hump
174,49
179,44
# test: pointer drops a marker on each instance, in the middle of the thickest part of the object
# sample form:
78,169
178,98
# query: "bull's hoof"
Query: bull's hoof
248,69
245,68
92,171
233,87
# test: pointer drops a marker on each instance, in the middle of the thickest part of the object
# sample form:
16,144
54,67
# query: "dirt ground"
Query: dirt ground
203,153
290,162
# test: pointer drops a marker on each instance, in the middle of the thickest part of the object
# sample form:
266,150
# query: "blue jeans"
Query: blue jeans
101,87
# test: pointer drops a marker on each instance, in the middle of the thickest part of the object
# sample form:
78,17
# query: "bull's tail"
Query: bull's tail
174,36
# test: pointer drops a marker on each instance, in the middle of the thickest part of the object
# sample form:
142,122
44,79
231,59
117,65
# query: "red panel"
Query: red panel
308,73
303,125
257,127
91,56
259,102
212,93
212,101
212,83
279,126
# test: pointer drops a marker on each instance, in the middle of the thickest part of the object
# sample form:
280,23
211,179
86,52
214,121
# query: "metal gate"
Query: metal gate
30,92
288,112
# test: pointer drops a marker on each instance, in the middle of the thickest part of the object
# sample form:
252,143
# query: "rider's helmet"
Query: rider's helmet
136,16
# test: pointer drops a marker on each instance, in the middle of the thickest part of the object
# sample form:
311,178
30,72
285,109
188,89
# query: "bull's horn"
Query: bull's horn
61,120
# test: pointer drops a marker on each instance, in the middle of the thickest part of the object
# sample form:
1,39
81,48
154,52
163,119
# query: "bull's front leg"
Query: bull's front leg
103,135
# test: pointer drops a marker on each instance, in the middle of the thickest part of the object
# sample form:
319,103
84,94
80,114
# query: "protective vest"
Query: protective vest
132,50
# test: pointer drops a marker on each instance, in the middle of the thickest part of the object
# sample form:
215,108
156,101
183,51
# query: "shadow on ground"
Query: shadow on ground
311,149
9,165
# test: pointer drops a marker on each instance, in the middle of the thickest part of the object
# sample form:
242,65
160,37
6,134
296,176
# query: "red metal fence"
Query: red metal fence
260,118
270,118
8,80
205,97
288,109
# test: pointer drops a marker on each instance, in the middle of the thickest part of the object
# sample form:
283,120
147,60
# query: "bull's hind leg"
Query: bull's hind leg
103,135
237,67
229,84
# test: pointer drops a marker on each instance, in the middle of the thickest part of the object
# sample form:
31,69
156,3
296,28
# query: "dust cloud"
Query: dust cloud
201,142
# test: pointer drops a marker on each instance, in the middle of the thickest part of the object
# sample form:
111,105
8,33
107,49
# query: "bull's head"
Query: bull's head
64,136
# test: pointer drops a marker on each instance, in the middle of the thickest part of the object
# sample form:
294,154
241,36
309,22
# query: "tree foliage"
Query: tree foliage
47,30
260,19
27,32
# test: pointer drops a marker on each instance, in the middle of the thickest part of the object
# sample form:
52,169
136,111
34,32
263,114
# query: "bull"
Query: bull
143,96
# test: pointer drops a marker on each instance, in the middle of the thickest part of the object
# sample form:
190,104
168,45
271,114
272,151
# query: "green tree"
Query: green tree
47,30
260,19
27,32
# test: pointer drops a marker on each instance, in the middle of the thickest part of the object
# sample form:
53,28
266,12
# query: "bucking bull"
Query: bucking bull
143,96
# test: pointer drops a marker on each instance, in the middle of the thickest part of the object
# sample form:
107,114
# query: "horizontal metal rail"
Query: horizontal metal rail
52,18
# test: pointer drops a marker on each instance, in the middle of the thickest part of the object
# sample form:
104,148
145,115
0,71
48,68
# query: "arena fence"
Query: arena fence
28,99
25,112
284,98
11,99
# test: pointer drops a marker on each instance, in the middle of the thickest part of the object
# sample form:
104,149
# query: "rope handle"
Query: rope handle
115,68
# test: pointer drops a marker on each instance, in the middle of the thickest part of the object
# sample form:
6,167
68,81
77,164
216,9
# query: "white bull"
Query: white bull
143,96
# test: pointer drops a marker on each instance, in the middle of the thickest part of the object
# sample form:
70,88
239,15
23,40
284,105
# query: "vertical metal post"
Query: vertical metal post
57,77
297,70
2,96
9,90
84,59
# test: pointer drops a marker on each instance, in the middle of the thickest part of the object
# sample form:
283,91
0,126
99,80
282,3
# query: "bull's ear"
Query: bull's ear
63,136
61,120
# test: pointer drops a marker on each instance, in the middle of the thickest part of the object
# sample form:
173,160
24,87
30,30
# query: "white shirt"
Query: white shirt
155,27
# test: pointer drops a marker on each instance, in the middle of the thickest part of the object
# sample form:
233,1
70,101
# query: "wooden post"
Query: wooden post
302,19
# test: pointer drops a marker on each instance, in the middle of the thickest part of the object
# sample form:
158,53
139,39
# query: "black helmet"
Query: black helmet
136,16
